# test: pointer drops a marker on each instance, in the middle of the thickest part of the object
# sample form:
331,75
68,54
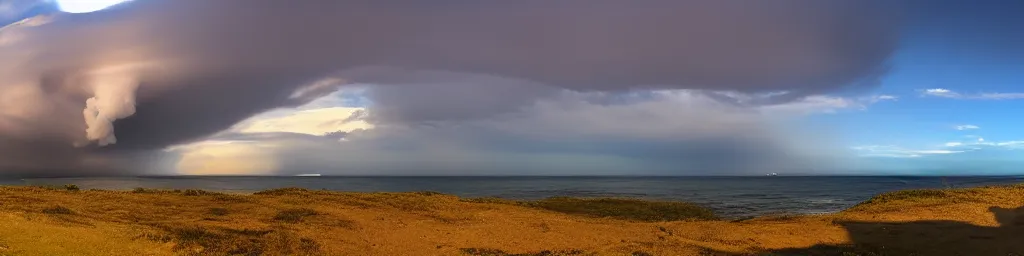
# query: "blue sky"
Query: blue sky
969,49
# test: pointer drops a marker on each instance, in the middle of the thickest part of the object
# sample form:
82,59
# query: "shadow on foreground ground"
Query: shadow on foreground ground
925,238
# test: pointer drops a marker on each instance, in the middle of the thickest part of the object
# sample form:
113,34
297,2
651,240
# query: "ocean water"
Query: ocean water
733,197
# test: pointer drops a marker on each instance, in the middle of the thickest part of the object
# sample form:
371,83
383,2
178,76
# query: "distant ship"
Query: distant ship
309,175
772,174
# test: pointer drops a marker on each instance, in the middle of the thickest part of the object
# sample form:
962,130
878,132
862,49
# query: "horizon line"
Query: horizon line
511,176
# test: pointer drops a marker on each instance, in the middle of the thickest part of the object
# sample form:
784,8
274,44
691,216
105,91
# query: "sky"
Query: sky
454,87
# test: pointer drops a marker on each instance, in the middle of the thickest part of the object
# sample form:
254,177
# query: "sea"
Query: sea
731,197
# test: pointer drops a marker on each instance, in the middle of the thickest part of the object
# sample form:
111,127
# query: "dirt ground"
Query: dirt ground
57,221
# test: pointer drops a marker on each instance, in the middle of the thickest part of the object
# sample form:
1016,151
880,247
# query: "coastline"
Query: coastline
61,221
731,197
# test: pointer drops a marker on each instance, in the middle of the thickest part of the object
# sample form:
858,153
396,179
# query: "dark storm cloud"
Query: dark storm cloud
203,107
218,62
416,97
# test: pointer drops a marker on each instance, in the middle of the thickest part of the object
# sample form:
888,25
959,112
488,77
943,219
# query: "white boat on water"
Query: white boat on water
309,175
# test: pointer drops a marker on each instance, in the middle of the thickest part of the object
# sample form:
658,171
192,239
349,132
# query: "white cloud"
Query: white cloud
900,152
946,93
937,151
1016,144
325,84
940,92
980,142
823,104
313,122
883,97
1001,96
812,105
966,127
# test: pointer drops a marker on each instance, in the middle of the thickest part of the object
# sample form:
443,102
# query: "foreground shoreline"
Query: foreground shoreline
68,221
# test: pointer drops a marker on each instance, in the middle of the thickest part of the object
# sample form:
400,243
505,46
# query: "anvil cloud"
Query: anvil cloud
109,91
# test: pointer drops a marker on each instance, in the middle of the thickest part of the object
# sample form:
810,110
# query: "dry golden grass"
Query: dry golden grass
68,221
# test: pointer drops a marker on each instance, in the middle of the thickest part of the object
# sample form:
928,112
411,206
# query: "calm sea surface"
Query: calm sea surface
728,196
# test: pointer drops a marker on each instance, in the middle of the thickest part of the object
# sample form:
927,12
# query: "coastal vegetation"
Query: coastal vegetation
67,220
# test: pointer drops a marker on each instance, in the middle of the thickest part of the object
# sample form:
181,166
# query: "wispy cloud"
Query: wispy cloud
946,93
980,142
883,97
900,152
1001,96
948,148
940,92
823,104
966,127
1014,144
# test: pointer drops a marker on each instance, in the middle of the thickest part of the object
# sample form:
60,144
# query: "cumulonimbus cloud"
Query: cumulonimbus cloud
210,64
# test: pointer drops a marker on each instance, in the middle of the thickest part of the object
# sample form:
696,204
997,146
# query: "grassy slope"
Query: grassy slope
41,221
